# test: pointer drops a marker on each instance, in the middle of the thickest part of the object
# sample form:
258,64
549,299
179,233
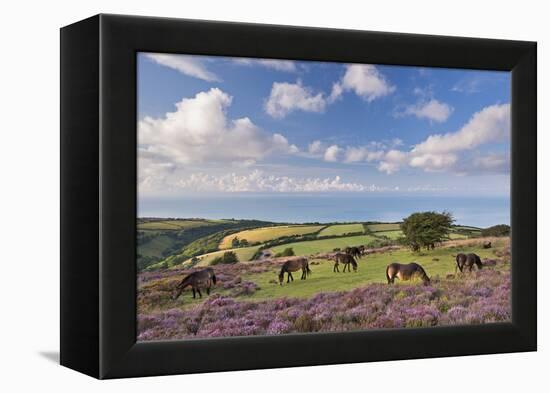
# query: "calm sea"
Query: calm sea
475,211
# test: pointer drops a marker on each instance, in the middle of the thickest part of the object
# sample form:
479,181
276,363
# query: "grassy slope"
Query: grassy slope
391,234
269,233
324,245
371,269
244,254
383,227
156,246
335,230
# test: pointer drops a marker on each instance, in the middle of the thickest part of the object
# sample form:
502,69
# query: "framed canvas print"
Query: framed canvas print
298,196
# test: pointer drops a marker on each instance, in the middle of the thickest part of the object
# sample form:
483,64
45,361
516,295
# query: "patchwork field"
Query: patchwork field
390,234
244,254
260,235
338,230
324,245
175,225
383,227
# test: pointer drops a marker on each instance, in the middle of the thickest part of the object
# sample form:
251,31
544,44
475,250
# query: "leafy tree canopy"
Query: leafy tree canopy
425,229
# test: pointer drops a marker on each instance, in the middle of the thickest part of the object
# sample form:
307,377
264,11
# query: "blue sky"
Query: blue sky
224,125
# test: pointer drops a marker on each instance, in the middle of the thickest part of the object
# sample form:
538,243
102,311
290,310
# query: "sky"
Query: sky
220,125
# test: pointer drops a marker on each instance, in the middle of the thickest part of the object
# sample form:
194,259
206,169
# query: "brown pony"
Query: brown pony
199,279
346,260
353,251
293,265
405,272
464,261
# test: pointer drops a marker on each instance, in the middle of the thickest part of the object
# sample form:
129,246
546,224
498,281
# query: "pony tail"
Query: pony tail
214,278
387,274
308,270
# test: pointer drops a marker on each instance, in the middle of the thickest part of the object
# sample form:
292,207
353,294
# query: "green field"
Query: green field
175,225
259,235
390,234
324,245
244,254
457,236
383,227
156,246
371,269
341,229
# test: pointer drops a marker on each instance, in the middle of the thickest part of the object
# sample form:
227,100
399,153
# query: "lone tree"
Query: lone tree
426,229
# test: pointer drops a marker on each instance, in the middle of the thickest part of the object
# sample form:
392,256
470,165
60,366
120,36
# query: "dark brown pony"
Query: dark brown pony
293,265
199,279
405,272
346,260
464,261
353,251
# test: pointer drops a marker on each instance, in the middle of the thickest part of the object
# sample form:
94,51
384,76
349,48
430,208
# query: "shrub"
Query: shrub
287,252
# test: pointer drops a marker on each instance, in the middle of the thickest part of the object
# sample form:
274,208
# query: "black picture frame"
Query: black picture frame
98,195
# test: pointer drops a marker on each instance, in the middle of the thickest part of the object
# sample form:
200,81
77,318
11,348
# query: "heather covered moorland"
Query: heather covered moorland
248,300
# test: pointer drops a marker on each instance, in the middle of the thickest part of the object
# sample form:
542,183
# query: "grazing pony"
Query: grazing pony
353,251
199,279
405,272
464,261
346,260
293,265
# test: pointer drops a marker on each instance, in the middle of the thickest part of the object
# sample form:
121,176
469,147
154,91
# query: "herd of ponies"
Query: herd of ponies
206,278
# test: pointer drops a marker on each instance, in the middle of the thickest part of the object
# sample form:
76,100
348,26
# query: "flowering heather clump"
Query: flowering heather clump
480,297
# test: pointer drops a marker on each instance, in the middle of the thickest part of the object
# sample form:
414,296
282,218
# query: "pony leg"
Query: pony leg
199,291
208,290
193,289
291,277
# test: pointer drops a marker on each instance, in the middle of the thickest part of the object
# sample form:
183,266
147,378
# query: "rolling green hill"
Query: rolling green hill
341,229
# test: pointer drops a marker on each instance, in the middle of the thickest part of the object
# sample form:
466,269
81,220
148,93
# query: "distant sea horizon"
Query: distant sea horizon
479,211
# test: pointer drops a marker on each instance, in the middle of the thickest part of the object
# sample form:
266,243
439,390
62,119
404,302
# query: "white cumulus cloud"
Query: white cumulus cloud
199,131
450,151
257,181
432,110
276,64
332,153
491,124
392,161
362,153
288,97
365,80
186,64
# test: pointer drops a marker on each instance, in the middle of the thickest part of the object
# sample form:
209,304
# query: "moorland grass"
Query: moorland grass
371,269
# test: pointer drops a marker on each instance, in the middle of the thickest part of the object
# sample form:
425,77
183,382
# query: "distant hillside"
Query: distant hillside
158,238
